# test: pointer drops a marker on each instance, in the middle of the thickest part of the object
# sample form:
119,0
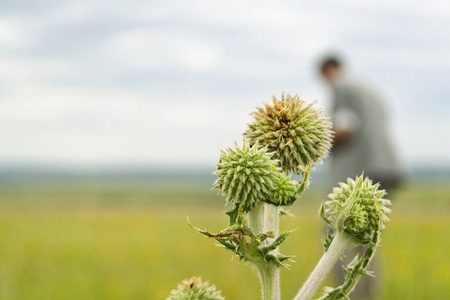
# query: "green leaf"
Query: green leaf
233,214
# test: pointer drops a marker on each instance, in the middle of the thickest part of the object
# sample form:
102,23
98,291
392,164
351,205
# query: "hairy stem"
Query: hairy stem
339,245
263,218
269,275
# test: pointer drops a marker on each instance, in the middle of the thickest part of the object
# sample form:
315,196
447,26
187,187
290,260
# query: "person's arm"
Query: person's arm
342,136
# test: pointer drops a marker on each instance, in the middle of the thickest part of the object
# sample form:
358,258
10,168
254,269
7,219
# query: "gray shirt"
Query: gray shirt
370,149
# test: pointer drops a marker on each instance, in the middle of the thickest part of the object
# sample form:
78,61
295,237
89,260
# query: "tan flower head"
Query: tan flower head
295,131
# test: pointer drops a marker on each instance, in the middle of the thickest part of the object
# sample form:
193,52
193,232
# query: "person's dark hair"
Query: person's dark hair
330,61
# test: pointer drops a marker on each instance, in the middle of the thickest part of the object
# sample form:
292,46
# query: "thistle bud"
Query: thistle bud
297,132
195,289
356,207
246,175
285,191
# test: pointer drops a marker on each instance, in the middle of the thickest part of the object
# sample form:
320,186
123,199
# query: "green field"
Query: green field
100,240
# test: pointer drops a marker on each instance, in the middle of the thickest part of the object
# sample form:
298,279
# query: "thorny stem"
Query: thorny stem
264,217
341,243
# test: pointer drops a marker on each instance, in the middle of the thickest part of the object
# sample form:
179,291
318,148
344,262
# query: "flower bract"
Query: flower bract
285,191
356,207
296,131
246,174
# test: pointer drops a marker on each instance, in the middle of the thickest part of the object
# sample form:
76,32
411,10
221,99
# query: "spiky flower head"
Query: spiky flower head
357,208
285,191
195,289
296,131
246,174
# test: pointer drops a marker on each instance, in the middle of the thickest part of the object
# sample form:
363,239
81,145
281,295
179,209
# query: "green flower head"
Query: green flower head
285,191
297,132
195,289
246,174
357,208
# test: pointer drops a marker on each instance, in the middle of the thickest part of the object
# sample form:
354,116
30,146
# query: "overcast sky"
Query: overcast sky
95,83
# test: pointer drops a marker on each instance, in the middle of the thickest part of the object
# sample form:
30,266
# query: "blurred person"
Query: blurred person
361,143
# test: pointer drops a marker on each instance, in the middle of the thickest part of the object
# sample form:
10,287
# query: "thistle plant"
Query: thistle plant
246,175
289,136
357,213
195,289
296,131
249,177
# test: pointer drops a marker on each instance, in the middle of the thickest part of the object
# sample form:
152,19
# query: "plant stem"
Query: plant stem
339,245
269,275
263,218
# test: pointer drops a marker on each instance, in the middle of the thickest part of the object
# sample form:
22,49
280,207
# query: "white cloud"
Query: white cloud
18,70
161,49
12,35
101,100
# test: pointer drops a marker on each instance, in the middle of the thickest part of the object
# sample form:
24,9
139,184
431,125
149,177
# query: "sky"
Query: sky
91,84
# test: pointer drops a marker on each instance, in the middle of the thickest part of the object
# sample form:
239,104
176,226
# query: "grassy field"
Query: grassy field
100,240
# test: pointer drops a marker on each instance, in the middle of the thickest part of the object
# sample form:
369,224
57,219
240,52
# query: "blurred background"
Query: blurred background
113,111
